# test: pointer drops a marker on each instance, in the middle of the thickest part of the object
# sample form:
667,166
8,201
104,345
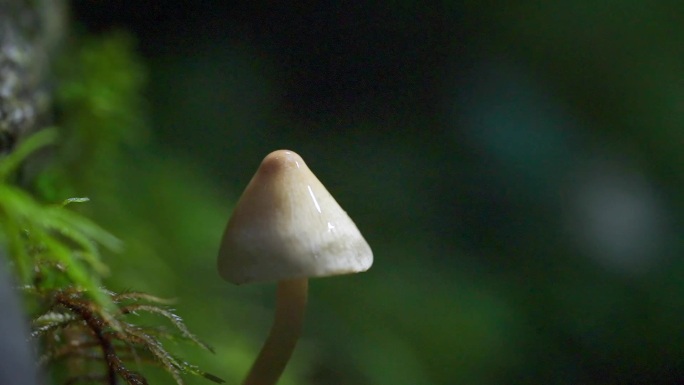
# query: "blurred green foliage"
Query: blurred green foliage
38,236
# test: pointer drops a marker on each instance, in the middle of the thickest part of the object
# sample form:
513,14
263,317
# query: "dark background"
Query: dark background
516,168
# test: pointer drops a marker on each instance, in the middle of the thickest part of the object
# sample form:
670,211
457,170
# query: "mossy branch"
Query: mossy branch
56,252
57,256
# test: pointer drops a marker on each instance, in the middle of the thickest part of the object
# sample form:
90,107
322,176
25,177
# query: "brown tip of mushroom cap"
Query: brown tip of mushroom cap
286,225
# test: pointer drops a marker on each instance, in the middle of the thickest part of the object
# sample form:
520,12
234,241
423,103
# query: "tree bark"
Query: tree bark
30,33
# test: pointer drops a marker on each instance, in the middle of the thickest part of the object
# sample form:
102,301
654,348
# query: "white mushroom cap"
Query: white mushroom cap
286,225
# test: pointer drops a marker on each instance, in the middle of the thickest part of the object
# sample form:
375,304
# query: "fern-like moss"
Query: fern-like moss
38,234
86,332
117,343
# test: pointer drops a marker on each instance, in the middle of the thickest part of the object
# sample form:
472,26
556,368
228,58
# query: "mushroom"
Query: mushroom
287,228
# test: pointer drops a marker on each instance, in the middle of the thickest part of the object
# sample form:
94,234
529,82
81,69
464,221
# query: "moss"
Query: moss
85,331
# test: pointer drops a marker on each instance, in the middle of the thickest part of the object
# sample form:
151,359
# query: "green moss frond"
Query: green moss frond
57,252
75,328
36,233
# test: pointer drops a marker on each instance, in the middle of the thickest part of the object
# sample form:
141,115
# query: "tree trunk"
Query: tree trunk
30,32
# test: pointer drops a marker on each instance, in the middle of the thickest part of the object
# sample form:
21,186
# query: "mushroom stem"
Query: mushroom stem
287,326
